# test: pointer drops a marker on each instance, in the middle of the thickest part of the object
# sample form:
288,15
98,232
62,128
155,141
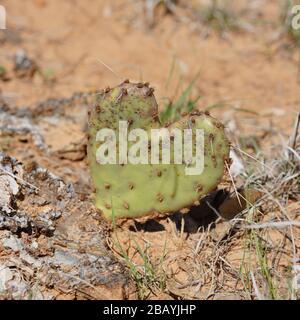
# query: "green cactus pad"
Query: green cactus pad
134,190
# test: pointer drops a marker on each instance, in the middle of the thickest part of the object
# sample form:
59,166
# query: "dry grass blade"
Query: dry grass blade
233,184
294,136
18,178
275,224
256,290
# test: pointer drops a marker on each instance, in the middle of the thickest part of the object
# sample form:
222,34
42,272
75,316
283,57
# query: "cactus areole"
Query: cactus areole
138,166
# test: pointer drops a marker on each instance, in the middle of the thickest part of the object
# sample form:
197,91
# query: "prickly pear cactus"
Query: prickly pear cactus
134,190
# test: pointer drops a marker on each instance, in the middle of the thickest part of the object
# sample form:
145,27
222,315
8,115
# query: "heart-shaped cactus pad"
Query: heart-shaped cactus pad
139,166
